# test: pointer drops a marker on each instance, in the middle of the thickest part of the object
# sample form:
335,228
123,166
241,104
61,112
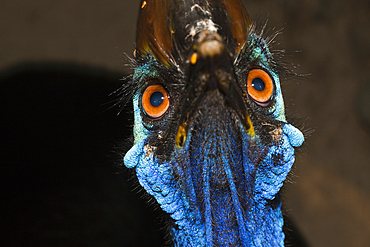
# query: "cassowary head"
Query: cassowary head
211,141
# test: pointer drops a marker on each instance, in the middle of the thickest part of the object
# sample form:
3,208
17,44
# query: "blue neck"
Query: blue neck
255,221
225,200
263,230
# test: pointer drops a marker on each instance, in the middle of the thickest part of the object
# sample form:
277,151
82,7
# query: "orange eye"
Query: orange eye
260,86
155,101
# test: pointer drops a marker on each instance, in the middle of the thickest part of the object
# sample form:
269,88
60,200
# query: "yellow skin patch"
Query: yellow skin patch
251,129
194,58
181,136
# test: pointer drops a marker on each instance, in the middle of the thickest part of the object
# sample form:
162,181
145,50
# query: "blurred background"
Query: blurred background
61,144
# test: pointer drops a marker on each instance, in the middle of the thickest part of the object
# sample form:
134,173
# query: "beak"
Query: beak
211,68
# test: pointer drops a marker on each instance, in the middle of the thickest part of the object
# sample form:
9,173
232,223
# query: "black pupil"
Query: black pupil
258,84
156,98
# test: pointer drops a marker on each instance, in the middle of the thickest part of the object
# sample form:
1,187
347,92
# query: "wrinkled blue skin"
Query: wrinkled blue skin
257,219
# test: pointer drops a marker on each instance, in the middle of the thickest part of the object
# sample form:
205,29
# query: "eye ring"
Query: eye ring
260,86
155,101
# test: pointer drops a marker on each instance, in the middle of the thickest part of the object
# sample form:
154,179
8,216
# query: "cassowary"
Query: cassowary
211,140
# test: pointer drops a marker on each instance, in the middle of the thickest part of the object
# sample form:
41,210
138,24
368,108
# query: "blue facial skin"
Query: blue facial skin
221,188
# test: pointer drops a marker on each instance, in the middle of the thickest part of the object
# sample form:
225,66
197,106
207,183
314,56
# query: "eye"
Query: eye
260,86
155,101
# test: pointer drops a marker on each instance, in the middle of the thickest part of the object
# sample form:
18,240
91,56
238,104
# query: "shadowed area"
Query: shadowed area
61,184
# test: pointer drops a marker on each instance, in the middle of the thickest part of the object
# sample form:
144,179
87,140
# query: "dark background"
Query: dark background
60,144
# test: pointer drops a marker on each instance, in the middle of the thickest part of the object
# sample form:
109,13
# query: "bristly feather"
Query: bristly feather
125,93
265,39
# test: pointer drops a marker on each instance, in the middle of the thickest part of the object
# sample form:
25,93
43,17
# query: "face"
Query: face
210,128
